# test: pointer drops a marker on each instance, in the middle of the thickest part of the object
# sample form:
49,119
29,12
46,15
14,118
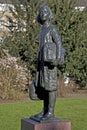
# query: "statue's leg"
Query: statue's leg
46,102
52,100
51,105
45,105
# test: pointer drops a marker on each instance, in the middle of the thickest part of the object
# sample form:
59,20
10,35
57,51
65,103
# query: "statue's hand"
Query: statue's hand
61,61
54,62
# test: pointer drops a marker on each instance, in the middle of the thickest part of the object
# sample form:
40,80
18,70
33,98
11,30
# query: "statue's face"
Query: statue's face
44,14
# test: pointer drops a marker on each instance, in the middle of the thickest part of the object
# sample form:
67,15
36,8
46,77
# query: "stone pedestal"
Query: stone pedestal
28,124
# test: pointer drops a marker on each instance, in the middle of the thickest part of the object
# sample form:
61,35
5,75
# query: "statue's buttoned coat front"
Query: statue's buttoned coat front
49,37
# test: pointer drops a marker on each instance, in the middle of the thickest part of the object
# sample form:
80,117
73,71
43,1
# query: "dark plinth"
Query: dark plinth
28,124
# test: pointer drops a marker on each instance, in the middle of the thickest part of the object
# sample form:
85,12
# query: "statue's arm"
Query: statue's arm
57,41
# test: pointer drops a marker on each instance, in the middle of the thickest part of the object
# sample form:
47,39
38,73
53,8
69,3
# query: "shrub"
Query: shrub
13,78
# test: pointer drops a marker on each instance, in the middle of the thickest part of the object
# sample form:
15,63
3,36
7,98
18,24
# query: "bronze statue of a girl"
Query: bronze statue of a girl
50,54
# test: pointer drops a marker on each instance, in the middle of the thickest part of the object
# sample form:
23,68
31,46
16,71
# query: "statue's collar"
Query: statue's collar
46,24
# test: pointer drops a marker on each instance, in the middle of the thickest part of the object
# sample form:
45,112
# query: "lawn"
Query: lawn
73,110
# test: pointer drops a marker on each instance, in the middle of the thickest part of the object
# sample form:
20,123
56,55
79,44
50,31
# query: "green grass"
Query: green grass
73,110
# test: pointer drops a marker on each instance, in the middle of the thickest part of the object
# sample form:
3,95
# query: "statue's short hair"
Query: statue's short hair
45,7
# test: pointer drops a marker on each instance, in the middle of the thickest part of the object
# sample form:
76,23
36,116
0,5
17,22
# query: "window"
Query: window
11,26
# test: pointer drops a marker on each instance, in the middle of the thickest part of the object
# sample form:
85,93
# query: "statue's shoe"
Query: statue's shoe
39,115
47,116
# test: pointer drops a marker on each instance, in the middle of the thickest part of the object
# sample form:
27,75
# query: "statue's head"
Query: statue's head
44,14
